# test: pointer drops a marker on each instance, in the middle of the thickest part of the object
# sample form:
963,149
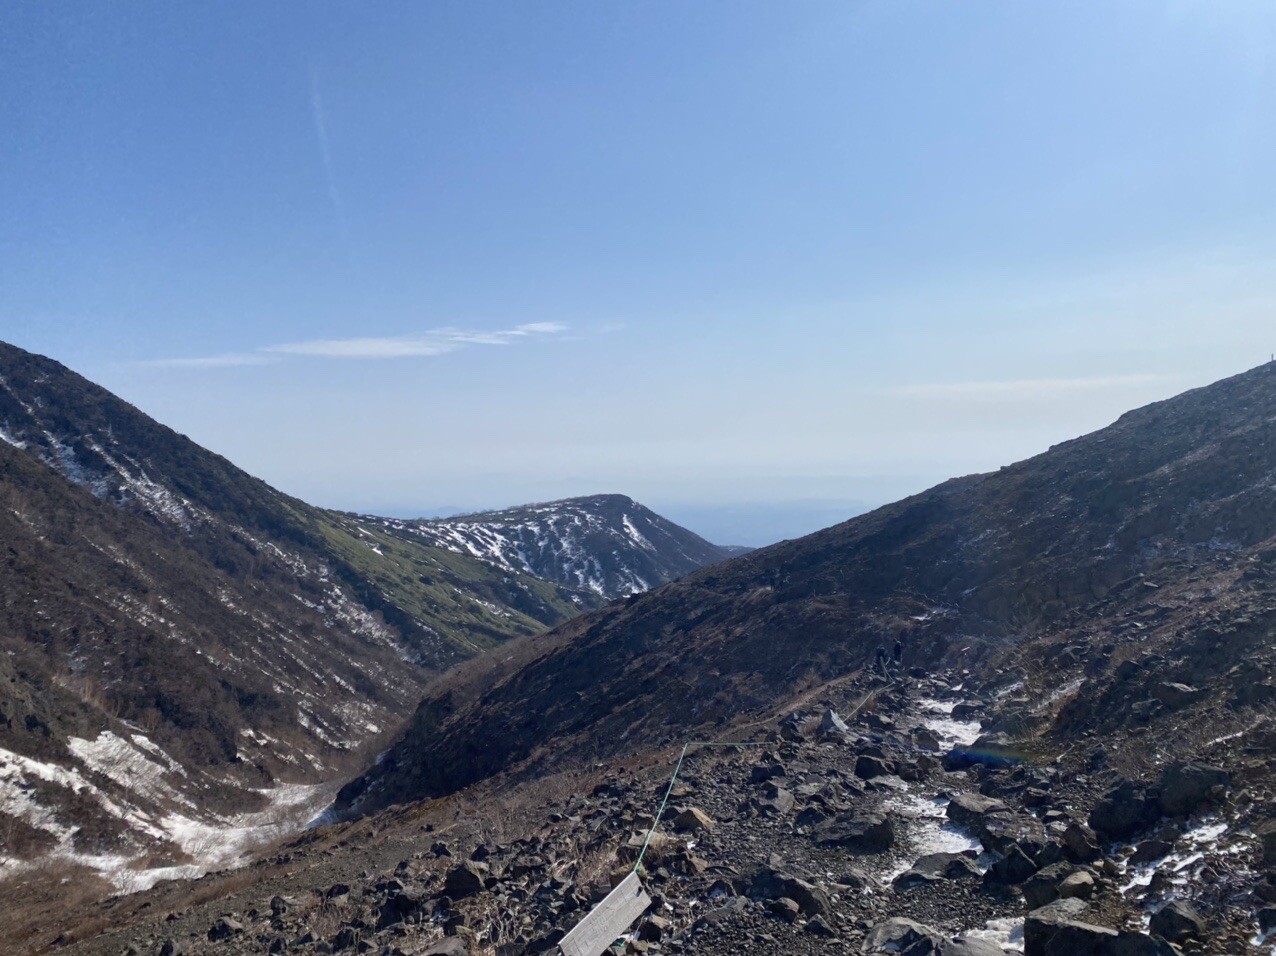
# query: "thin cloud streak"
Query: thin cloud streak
211,361
426,344
434,342
1026,388
325,154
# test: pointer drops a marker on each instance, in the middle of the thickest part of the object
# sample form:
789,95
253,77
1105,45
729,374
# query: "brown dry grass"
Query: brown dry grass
39,899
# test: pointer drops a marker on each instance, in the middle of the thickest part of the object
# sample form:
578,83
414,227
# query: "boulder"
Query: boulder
938,866
832,725
693,820
1000,832
793,728
1131,943
969,809
927,739
772,884
1178,920
1187,785
1124,810
868,767
1081,842
901,935
856,879
1013,868
1043,887
1055,930
653,929
1267,919
1079,885
463,880
762,774
398,906
1176,695
225,928
819,926
346,938
775,801
857,832
1149,851
785,909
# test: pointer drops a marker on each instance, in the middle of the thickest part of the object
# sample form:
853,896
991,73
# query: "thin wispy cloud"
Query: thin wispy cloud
325,154
211,361
423,345
1025,388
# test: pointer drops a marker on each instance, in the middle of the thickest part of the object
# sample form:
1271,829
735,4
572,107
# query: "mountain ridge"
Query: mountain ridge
607,544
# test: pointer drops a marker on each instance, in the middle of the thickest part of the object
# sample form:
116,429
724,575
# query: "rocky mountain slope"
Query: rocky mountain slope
187,651
607,545
1075,753
964,570
873,815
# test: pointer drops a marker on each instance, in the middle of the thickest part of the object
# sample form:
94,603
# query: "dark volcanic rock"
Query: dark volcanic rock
1124,810
1178,920
1014,867
938,866
969,809
464,880
901,935
225,928
1187,785
810,899
857,833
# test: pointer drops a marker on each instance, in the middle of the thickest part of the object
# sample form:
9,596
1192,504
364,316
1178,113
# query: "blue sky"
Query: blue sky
757,264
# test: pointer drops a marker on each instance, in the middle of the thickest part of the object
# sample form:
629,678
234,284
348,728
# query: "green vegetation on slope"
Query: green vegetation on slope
467,605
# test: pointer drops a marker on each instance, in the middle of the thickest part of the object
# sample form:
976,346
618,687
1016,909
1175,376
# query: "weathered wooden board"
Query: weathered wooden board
607,921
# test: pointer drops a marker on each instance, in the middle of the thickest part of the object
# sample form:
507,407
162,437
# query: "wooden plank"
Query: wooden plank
607,921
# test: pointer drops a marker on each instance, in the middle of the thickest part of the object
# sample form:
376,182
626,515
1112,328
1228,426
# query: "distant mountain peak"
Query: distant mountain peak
608,545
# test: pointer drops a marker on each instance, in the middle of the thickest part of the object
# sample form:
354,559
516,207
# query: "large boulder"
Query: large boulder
1013,868
938,866
464,880
1124,810
775,801
1067,938
870,767
1043,887
1081,843
1178,920
772,884
969,809
832,725
1187,785
1175,695
857,832
1057,930
900,935
693,820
